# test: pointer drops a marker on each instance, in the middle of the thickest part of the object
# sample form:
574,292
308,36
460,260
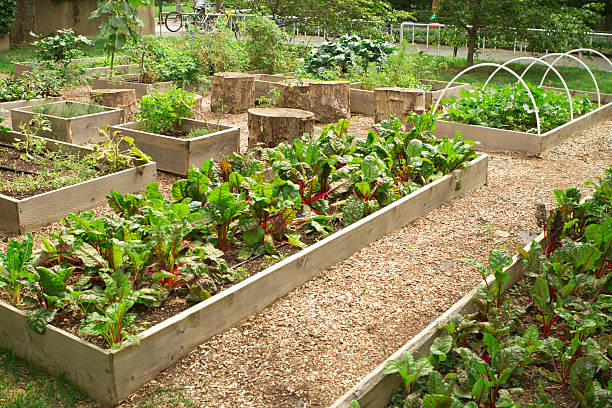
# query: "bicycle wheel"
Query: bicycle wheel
174,21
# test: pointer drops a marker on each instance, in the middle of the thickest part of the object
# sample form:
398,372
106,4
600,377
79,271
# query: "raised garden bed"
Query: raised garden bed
5,107
493,346
111,375
178,154
21,67
130,82
363,101
77,129
494,140
29,213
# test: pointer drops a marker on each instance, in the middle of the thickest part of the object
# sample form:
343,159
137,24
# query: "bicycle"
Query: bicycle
200,18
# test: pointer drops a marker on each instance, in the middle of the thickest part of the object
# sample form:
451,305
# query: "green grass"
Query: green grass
27,53
576,78
25,385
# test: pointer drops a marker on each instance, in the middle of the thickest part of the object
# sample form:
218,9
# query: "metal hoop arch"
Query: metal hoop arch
492,64
550,66
560,55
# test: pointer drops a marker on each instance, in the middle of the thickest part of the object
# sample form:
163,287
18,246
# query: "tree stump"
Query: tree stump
330,101
398,101
294,94
232,92
124,99
272,126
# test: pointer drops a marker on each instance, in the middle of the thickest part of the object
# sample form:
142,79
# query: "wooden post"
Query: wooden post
330,101
398,101
294,94
124,99
232,92
272,126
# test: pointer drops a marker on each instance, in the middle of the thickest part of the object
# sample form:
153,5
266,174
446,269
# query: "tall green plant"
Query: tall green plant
120,24
7,16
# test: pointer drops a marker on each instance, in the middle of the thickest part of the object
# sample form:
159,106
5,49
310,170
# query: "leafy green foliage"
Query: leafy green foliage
265,45
15,267
217,51
60,48
160,112
7,15
509,107
346,52
29,85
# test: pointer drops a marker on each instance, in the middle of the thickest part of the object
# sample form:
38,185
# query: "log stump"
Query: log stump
398,101
124,99
232,92
294,94
330,101
272,126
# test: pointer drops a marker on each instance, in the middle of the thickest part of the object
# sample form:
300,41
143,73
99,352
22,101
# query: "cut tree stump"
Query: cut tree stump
272,126
330,101
232,92
124,99
398,101
294,94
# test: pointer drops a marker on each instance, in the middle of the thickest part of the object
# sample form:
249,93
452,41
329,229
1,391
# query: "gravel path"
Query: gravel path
312,345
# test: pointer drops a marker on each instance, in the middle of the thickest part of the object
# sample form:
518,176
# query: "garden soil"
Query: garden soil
315,343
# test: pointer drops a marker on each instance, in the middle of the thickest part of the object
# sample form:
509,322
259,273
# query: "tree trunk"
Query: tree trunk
294,94
330,100
272,126
124,99
435,6
232,92
393,100
472,34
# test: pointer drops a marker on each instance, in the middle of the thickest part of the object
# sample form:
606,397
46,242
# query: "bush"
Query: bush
7,15
217,51
266,45
159,112
30,85
60,48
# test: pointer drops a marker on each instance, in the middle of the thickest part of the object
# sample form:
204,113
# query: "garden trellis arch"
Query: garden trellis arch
492,64
561,55
536,60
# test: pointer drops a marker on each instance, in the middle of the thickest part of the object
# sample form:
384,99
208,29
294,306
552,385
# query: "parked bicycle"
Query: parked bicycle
200,18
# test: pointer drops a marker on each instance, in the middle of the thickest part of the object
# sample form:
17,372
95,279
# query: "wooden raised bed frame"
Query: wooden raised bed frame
111,375
363,101
21,67
76,130
375,389
126,82
27,214
177,155
5,107
494,140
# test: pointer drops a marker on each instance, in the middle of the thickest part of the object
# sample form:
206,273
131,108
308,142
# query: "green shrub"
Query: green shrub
60,48
160,112
266,45
66,110
29,85
217,51
7,15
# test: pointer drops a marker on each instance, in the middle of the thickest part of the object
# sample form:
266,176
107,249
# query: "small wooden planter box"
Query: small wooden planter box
493,140
77,130
374,390
129,82
21,67
363,101
111,375
5,107
27,214
177,155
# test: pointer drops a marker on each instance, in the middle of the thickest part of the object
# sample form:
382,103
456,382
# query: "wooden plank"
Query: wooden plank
60,352
141,89
172,339
176,155
374,391
5,107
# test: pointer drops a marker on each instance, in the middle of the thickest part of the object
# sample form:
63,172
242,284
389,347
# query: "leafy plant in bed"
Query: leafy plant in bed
28,168
267,202
509,107
546,343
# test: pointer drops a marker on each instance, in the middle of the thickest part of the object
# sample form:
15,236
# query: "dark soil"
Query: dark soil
9,161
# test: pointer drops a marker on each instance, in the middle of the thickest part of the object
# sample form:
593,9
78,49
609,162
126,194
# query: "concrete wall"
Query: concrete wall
46,16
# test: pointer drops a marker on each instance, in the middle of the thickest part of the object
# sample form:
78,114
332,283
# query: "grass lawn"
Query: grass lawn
575,78
25,385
